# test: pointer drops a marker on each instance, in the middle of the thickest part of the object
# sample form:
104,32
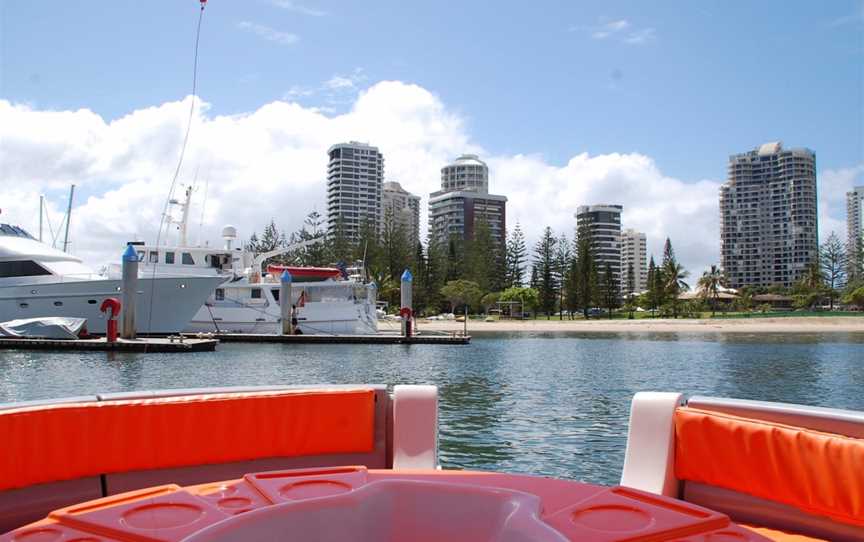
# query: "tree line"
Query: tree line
560,277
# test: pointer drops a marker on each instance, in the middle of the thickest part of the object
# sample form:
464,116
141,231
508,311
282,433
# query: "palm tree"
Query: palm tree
673,277
710,283
811,286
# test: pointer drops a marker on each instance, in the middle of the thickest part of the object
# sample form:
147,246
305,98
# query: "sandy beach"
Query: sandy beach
827,324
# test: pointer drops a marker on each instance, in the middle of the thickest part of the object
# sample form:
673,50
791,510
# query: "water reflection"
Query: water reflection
471,409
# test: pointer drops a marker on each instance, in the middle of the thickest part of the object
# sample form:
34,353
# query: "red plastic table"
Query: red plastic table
353,503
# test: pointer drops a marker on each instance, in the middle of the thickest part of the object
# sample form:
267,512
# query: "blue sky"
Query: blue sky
571,103
684,82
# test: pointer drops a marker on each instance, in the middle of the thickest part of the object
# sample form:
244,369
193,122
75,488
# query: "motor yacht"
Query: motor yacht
37,280
327,300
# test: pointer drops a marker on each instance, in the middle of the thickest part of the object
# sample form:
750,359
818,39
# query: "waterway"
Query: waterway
553,404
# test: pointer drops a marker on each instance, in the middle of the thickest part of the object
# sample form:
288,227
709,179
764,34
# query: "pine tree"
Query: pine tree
587,271
396,251
517,256
834,263
668,253
671,278
271,239
572,284
436,271
652,285
420,270
481,259
609,290
544,263
563,256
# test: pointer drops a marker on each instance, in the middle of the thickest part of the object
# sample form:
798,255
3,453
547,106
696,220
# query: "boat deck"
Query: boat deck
381,338
161,345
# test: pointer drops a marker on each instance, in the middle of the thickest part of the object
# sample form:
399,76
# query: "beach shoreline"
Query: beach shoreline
791,324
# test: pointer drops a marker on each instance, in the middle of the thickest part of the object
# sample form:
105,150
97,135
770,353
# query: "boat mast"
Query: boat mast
68,218
41,206
184,222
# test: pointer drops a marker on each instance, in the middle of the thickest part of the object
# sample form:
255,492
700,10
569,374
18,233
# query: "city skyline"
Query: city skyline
74,111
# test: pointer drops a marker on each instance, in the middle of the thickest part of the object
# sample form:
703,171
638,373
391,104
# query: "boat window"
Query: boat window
256,293
169,257
220,294
140,255
91,301
154,256
24,305
275,294
22,268
14,231
58,303
187,259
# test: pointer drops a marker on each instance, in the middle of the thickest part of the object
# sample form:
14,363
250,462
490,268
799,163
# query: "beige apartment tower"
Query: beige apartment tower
768,216
634,259
855,230
355,178
403,208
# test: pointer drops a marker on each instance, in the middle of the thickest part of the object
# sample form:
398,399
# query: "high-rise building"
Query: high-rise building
855,229
355,178
768,216
603,224
404,209
634,259
463,200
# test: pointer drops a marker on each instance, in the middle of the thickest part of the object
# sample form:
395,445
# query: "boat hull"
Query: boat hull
175,300
330,318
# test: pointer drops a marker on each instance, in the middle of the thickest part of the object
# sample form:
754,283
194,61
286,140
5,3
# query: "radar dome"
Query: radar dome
229,232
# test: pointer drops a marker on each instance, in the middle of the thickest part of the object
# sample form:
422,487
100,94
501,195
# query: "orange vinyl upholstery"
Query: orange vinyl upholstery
821,473
781,536
68,441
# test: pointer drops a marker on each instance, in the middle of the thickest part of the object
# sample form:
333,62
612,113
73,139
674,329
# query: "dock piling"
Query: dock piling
286,298
129,287
405,295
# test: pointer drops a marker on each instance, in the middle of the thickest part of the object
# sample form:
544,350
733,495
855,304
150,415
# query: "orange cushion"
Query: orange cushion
821,473
782,536
68,441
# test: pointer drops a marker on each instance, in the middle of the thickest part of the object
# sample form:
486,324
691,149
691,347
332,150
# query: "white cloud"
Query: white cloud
620,30
640,36
269,34
340,89
833,185
271,163
297,8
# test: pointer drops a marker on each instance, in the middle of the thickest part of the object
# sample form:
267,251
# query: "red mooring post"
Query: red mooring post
112,305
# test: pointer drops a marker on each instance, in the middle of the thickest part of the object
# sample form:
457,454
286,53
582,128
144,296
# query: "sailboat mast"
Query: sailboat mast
68,218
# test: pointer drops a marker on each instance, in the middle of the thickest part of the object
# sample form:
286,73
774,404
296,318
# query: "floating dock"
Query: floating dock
333,339
161,345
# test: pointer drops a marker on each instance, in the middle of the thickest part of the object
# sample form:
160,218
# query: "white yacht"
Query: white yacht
327,300
38,281
247,298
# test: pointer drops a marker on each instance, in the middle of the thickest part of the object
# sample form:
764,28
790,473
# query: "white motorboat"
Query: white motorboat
39,281
327,300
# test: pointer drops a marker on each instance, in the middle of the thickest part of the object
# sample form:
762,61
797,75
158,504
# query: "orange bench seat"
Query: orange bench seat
52,443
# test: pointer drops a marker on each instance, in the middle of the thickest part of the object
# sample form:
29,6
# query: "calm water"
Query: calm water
543,404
